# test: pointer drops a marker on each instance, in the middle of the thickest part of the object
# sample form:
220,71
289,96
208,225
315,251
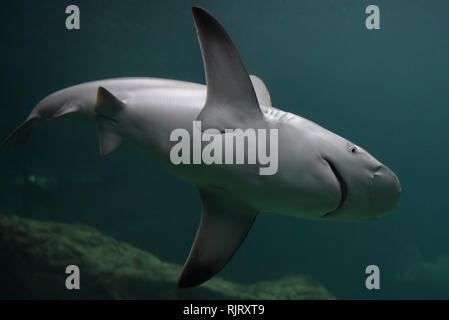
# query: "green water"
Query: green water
386,90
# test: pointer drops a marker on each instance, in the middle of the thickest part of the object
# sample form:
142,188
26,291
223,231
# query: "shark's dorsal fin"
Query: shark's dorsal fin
107,107
224,226
262,93
231,101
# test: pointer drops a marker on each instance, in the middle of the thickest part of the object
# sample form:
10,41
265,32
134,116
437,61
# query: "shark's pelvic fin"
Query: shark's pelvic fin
224,226
262,93
231,100
106,109
109,139
107,103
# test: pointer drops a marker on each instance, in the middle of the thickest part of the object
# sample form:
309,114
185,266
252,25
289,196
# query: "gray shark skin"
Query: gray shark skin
320,174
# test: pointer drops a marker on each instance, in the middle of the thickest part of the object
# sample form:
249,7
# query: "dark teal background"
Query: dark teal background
386,90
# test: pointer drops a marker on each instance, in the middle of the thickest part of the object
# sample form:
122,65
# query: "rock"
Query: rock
34,256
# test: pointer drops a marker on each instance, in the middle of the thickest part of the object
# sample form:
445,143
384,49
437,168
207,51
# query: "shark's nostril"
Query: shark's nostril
377,169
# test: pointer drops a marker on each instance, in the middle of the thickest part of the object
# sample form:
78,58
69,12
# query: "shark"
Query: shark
320,176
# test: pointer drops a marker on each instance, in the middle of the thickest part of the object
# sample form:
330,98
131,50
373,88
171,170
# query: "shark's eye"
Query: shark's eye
354,149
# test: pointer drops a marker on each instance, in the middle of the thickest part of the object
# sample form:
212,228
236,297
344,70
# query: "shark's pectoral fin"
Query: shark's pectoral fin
231,101
107,109
224,225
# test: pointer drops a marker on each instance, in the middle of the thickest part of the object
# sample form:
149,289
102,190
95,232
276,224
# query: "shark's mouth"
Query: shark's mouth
343,188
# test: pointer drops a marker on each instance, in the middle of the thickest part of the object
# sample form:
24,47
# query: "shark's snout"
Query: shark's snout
365,196
385,189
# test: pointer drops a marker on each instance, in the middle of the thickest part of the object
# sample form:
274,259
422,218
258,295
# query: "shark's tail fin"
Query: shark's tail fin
20,135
